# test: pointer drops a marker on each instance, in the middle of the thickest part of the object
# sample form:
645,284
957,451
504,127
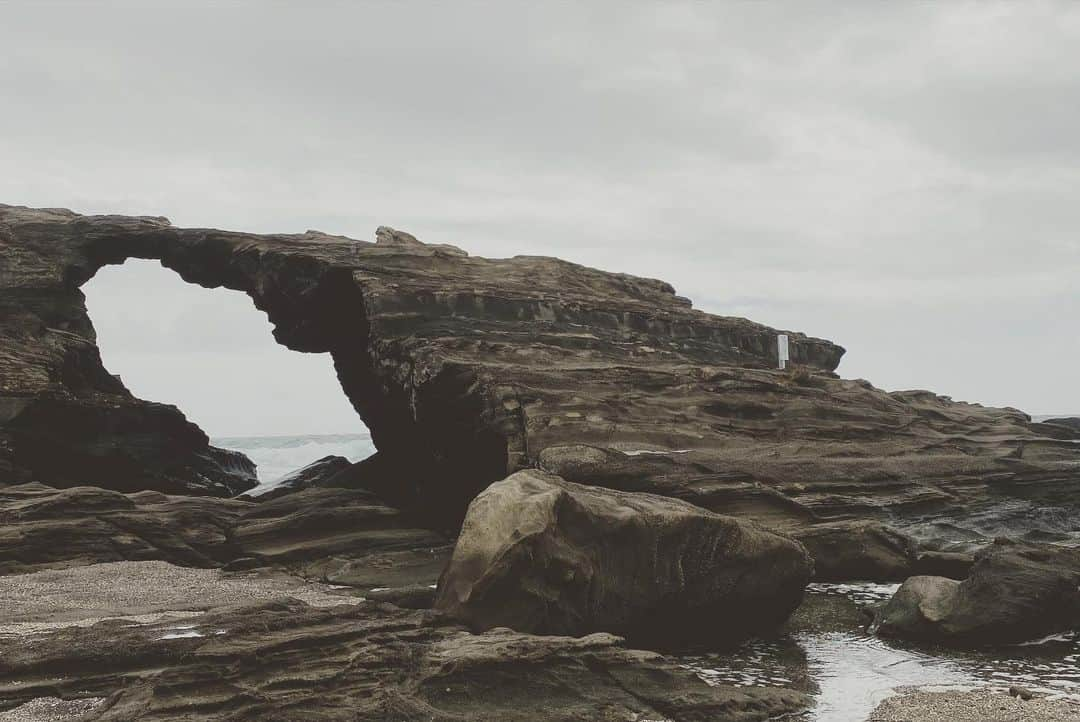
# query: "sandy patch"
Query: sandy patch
141,592
50,709
981,705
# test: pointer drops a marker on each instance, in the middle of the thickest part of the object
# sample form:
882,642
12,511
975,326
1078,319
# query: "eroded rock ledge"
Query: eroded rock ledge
466,369
284,660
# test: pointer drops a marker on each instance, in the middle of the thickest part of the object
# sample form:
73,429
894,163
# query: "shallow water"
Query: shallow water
850,673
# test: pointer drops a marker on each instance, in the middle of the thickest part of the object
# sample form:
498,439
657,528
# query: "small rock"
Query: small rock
1016,591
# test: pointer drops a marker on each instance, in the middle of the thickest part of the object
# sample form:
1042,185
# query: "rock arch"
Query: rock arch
466,369
68,421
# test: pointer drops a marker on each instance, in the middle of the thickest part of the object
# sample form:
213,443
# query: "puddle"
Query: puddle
183,634
850,673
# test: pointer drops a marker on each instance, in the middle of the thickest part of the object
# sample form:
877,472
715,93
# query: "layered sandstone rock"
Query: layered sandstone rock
46,528
1015,592
285,660
467,369
849,550
543,555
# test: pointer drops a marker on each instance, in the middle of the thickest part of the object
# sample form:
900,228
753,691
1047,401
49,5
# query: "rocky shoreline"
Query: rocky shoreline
567,459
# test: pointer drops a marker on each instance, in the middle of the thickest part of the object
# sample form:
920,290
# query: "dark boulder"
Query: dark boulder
543,555
314,474
1015,591
864,550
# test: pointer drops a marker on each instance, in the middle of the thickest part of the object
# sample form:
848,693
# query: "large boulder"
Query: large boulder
1016,591
540,554
867,550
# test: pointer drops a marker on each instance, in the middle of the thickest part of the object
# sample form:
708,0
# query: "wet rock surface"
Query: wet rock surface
284,659
467,369
1015,592
826,651
540,554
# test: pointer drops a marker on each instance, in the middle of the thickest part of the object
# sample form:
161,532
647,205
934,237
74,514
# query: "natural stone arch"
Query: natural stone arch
212,353
466,369
306,286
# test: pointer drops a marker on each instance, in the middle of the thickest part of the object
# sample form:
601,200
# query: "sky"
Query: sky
900,178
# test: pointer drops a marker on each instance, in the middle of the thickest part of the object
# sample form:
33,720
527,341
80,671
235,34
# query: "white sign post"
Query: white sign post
782,349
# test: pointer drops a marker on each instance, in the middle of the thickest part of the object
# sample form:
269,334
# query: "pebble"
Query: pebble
50,709
981,705
139,591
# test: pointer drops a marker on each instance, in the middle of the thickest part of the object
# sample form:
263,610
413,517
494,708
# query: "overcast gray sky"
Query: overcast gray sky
901,178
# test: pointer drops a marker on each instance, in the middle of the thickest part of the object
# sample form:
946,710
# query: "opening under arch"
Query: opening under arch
211,353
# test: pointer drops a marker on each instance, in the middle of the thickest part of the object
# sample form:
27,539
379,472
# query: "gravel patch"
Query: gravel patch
142,592
982,705
50,709
22,629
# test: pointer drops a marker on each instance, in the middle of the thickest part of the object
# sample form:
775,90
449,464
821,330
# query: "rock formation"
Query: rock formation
1015,592
953,565
539,554
467,369
284,660
1071,422
46,528
867,550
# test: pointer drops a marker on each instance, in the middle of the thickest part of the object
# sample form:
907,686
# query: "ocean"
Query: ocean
275,456
1044,417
